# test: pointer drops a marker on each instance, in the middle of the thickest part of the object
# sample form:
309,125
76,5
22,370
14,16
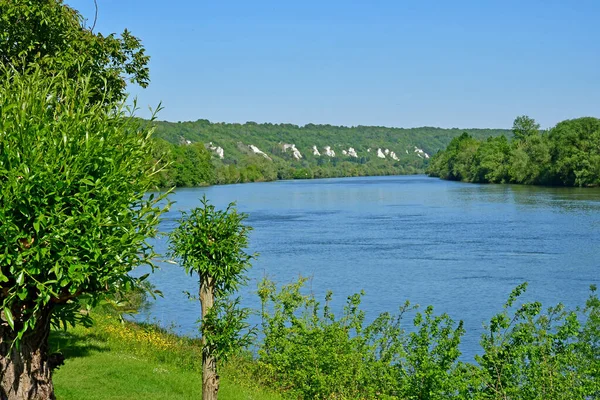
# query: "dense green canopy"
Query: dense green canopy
403,151
52,36
566,155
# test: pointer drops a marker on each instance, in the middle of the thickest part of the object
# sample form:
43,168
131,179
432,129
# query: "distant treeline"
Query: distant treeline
205,153
566,155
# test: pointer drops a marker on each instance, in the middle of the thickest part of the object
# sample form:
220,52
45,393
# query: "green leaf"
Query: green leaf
21,278
9,318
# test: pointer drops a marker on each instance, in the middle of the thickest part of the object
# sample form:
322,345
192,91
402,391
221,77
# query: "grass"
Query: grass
114,360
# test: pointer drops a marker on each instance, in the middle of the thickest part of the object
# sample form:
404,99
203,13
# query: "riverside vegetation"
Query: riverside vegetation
307,352
566,155
75,167
204,153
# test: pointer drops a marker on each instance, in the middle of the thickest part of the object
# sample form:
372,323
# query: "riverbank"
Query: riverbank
116,360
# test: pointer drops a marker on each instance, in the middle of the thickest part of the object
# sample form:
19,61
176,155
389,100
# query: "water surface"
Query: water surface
460,247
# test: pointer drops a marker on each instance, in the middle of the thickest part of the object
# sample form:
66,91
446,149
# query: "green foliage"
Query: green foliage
73,178
491,159
575,149
455,163
189,165
567,155
223,328
240,164
313,354
50,34
529,161
527,354
524,127
211,243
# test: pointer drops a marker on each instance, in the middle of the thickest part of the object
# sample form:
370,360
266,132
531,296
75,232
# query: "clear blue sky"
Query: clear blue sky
391,63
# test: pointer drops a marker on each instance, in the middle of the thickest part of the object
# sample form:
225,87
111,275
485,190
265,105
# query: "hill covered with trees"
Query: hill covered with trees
203,152
566,155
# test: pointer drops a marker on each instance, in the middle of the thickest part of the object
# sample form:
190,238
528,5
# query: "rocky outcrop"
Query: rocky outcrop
256,150
380,153
350,152
421,153
217,149
315,151
329,152
295,152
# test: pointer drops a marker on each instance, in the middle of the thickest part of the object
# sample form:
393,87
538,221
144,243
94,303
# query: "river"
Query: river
459,247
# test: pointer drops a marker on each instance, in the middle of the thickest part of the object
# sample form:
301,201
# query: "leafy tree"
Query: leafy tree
74,214
491,161
523,127
52,35
576,152
211,243
192,166
456,161
530,160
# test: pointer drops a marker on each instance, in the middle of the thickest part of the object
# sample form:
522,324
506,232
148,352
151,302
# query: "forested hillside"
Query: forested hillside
202,152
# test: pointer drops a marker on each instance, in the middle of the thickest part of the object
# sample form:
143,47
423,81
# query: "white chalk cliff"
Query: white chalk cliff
256,150
217,149
329,152
380,153
421,153
295,151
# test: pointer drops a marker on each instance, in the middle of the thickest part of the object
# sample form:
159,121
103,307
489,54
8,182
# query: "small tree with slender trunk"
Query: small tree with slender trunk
211,243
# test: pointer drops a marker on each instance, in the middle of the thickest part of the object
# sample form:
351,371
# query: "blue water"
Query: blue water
459,247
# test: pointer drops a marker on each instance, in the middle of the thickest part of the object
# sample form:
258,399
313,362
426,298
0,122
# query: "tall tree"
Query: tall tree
74,214
523,127
211,243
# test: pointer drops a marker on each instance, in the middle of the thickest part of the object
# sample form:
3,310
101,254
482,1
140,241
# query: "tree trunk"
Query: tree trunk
210,379
25,372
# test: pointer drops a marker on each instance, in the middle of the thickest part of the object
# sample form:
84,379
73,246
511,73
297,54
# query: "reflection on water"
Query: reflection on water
460,247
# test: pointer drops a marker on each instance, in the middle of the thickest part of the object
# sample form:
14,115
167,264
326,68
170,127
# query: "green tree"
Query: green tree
74,214
491,161
52,35
455,163
192,165
529,161
211,243
575,148
523,127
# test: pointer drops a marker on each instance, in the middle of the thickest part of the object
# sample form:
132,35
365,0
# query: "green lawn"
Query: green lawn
101,365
